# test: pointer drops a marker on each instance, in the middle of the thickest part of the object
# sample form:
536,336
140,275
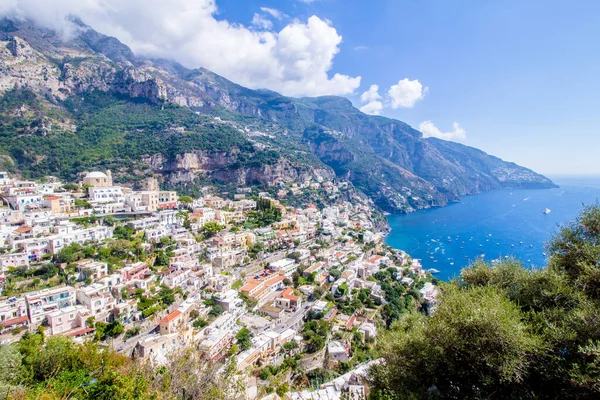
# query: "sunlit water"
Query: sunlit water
491,225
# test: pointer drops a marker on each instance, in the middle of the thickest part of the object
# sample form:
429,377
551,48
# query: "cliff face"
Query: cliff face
96,90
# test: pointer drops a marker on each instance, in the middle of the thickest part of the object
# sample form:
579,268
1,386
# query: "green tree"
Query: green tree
210,229
243,339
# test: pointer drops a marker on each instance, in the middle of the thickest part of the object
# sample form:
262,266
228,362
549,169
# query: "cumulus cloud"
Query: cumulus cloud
372,98
374,107
297,60
457,134
261,22
406,93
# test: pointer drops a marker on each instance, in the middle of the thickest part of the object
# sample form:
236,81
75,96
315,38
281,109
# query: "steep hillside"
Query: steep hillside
91,103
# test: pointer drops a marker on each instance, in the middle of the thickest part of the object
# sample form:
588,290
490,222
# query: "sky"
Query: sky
518,79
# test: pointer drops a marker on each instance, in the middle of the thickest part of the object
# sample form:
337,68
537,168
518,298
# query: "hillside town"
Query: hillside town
292,297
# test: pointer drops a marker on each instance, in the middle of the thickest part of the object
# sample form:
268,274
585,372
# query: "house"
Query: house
158,347
98,299
368,330
98,179
271,311
259,287
338,350
67,319
214,202
286,267
287,300
93,270
220,283
171,323
13,260
44,302
13,314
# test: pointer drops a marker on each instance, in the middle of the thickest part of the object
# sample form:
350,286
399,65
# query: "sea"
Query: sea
492,225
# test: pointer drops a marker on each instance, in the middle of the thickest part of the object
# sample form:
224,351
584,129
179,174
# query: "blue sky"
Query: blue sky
518,79
521,77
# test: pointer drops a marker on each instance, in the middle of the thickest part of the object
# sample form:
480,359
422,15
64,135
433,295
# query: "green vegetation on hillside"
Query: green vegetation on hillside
111,132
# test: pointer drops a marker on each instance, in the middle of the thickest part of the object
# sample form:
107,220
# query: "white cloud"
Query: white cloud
371,94
372,98
273,12
406,93
261,22
295,61
373,107
457,134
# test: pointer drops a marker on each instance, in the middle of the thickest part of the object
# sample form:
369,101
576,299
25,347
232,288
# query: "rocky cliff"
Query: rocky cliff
144,117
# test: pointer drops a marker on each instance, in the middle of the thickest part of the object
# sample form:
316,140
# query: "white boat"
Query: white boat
433,271
547,211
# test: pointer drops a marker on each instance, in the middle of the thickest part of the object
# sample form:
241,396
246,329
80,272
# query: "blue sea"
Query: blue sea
491,225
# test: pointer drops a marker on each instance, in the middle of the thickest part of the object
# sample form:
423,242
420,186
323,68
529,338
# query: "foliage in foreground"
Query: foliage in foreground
57,368
504,331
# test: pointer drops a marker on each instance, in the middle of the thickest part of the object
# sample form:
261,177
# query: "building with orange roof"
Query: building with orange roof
259,288
288,300
171,323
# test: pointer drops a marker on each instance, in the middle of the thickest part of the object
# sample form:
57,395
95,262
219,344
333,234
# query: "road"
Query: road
294,320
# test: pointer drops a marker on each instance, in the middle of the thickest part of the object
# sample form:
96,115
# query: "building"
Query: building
287,300
338,351
13,314
98,299
91,269
46,301
98,179
67,319
286,267
171,323
167,200
259,287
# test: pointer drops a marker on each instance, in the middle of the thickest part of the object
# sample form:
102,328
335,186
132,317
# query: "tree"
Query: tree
243,339
216,310
318,292
114,329
210,229
186,200
504,331
162,259
474,345
199,323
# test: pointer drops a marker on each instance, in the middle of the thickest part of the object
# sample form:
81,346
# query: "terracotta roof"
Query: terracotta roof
170,317
52,197
374,259
81,331
23,229
288,294
14,321
350,322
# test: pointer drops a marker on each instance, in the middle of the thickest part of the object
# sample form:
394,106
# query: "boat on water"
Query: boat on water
433,271
547,211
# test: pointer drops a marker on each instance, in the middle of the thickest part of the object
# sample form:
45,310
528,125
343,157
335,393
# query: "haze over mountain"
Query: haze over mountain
90,102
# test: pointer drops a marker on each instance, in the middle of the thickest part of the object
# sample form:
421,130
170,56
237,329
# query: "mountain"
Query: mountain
90,102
